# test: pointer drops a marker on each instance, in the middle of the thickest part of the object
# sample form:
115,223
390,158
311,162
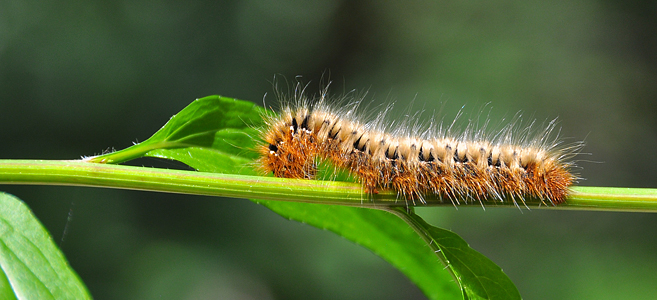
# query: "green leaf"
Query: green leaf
219,129
32,266
478,276
222,140
384,234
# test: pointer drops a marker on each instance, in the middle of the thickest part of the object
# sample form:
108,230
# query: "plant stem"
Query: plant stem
81,173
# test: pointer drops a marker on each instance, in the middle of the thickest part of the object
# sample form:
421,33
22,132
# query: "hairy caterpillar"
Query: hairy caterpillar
515,163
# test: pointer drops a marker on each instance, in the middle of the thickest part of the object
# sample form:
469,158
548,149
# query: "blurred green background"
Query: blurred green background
79,77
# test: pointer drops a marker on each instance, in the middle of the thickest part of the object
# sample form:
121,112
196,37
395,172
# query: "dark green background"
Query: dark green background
80,77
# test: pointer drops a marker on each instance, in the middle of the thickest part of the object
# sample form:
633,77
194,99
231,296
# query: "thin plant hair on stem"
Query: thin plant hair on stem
517,162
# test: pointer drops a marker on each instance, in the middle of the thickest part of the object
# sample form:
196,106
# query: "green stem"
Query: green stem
83,173
612,198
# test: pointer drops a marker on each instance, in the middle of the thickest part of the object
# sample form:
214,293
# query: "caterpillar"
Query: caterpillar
515,163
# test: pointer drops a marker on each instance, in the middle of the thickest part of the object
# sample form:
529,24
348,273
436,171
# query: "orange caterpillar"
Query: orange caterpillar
415,164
